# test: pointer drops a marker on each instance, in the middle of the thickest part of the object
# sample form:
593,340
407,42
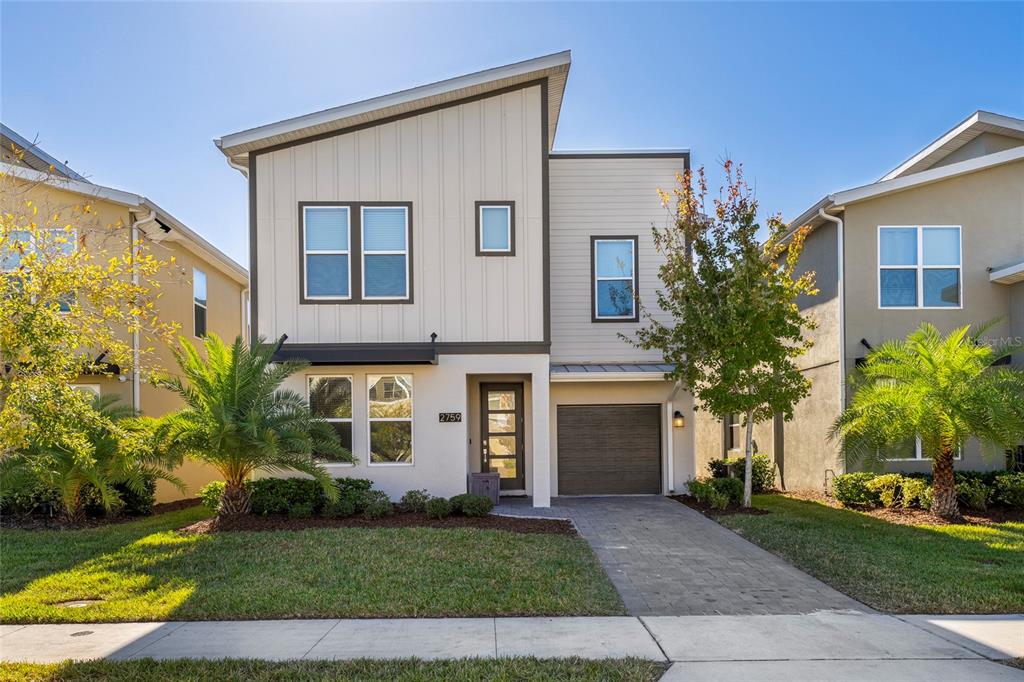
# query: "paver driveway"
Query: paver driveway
667,559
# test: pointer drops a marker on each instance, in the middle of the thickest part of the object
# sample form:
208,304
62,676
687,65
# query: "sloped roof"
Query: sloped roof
34,155
554,67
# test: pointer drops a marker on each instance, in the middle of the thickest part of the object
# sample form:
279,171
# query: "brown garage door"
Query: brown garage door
609,449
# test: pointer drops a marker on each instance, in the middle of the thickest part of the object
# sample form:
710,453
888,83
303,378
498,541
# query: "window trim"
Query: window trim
196,304
407,252
727,434
92,388
411,419
919,456
920,267
355,264
304,252
350,420
594,240
479,209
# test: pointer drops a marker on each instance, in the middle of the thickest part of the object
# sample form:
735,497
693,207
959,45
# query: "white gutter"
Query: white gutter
244,170
136,352
842,306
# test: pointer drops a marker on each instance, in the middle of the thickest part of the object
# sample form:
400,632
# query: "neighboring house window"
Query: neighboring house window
495,228
614,265
390,418
330,397
199,301
91,389
326,232
385,244
20,241
733,431
919,267
911,451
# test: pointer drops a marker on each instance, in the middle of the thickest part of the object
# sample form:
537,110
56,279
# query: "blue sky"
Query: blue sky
812,98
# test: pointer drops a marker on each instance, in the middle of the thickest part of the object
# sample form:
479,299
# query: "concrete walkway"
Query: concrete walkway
667,559
825,645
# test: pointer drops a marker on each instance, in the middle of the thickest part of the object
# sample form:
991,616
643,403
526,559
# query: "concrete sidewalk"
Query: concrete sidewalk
836,645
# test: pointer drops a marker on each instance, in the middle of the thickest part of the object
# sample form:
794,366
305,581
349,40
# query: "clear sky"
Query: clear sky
812,98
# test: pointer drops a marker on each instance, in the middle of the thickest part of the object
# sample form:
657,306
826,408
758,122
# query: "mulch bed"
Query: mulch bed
400,520
711,512
919,517
43,522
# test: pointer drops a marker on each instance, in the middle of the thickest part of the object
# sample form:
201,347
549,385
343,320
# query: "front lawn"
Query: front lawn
898,568
144,570
468,670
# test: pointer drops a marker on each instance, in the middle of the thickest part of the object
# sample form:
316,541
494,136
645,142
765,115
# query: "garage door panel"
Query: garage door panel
609,449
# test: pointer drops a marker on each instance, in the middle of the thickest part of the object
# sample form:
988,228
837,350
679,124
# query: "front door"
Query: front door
501,433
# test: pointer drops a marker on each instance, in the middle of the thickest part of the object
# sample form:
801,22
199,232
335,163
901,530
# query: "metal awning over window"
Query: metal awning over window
360,354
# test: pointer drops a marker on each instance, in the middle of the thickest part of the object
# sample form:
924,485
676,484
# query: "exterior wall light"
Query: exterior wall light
677,420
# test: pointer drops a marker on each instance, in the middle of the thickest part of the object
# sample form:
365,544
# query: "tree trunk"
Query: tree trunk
73,511
748,465
944,486
234,501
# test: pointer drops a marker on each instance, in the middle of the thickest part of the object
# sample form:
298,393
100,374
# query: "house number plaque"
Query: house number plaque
449,417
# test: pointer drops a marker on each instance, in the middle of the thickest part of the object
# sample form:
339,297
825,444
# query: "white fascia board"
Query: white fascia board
681,151
928,176
606,376
369,105
87,189
1011,274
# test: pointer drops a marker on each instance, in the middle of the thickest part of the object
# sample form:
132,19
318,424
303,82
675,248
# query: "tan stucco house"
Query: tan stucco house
940,239
205,290
459,286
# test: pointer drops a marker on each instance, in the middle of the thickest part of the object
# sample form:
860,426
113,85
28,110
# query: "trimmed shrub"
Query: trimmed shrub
476,505
438,508
852,489
345,506
457,501
972,492
414,501
707,494
718,468
887,488
211,493
302,510
377,504
1009,489
913,491
352,494
279,495
762,468
128,502
732,488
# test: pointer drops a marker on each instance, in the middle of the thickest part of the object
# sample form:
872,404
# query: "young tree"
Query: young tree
238,419
72,292
942,390
736,331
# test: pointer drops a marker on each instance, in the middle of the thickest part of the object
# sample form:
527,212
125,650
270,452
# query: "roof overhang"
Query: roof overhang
359,354
553,67
609,372
1008,274
179,232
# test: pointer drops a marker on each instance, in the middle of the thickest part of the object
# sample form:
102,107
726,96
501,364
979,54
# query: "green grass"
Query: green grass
144,571
468,670
902,569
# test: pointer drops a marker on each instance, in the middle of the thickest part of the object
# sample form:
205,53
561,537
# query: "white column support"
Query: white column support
541,399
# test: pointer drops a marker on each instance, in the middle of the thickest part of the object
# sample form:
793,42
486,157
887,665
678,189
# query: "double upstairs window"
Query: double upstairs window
613,279
356,252
919,267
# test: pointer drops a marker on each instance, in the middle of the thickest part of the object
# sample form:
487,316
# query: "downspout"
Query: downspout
242,296
136,353
244,170
842,306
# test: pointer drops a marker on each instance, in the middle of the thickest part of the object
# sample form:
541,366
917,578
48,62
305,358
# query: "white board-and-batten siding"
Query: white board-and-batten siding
442,161
602,197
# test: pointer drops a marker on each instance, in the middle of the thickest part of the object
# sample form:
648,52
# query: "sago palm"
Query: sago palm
238,419
941,390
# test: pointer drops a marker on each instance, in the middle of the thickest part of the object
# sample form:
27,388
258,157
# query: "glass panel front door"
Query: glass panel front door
501,438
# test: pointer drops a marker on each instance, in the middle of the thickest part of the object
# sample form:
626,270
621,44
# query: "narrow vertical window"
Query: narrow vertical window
390,418
614,279
199,302
326,256
919,267
495,228
733,432
385,247
330,398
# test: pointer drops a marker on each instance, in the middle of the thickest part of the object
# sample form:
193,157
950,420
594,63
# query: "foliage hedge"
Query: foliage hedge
762,467
974,489
33,498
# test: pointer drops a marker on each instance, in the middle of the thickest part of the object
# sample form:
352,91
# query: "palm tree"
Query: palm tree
238,419
120,453
941,390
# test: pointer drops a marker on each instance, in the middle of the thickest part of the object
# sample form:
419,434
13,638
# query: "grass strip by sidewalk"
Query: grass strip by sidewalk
465,670
896,568
144,571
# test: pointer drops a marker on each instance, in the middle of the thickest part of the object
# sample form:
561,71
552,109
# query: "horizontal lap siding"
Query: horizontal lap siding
593,197
442,161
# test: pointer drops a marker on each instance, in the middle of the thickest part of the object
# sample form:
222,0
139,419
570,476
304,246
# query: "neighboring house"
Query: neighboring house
939,239
459,287
203,291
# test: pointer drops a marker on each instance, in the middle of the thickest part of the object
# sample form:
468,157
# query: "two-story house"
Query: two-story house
940,238
459,287
203,291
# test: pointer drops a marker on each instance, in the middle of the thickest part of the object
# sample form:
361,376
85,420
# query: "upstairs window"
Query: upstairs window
495,228
326,258
330,397
199,302
385,244
919,267
614,265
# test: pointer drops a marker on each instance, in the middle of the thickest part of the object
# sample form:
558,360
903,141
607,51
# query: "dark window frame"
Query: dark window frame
478,210
355,253
732,432
196,306
636,277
